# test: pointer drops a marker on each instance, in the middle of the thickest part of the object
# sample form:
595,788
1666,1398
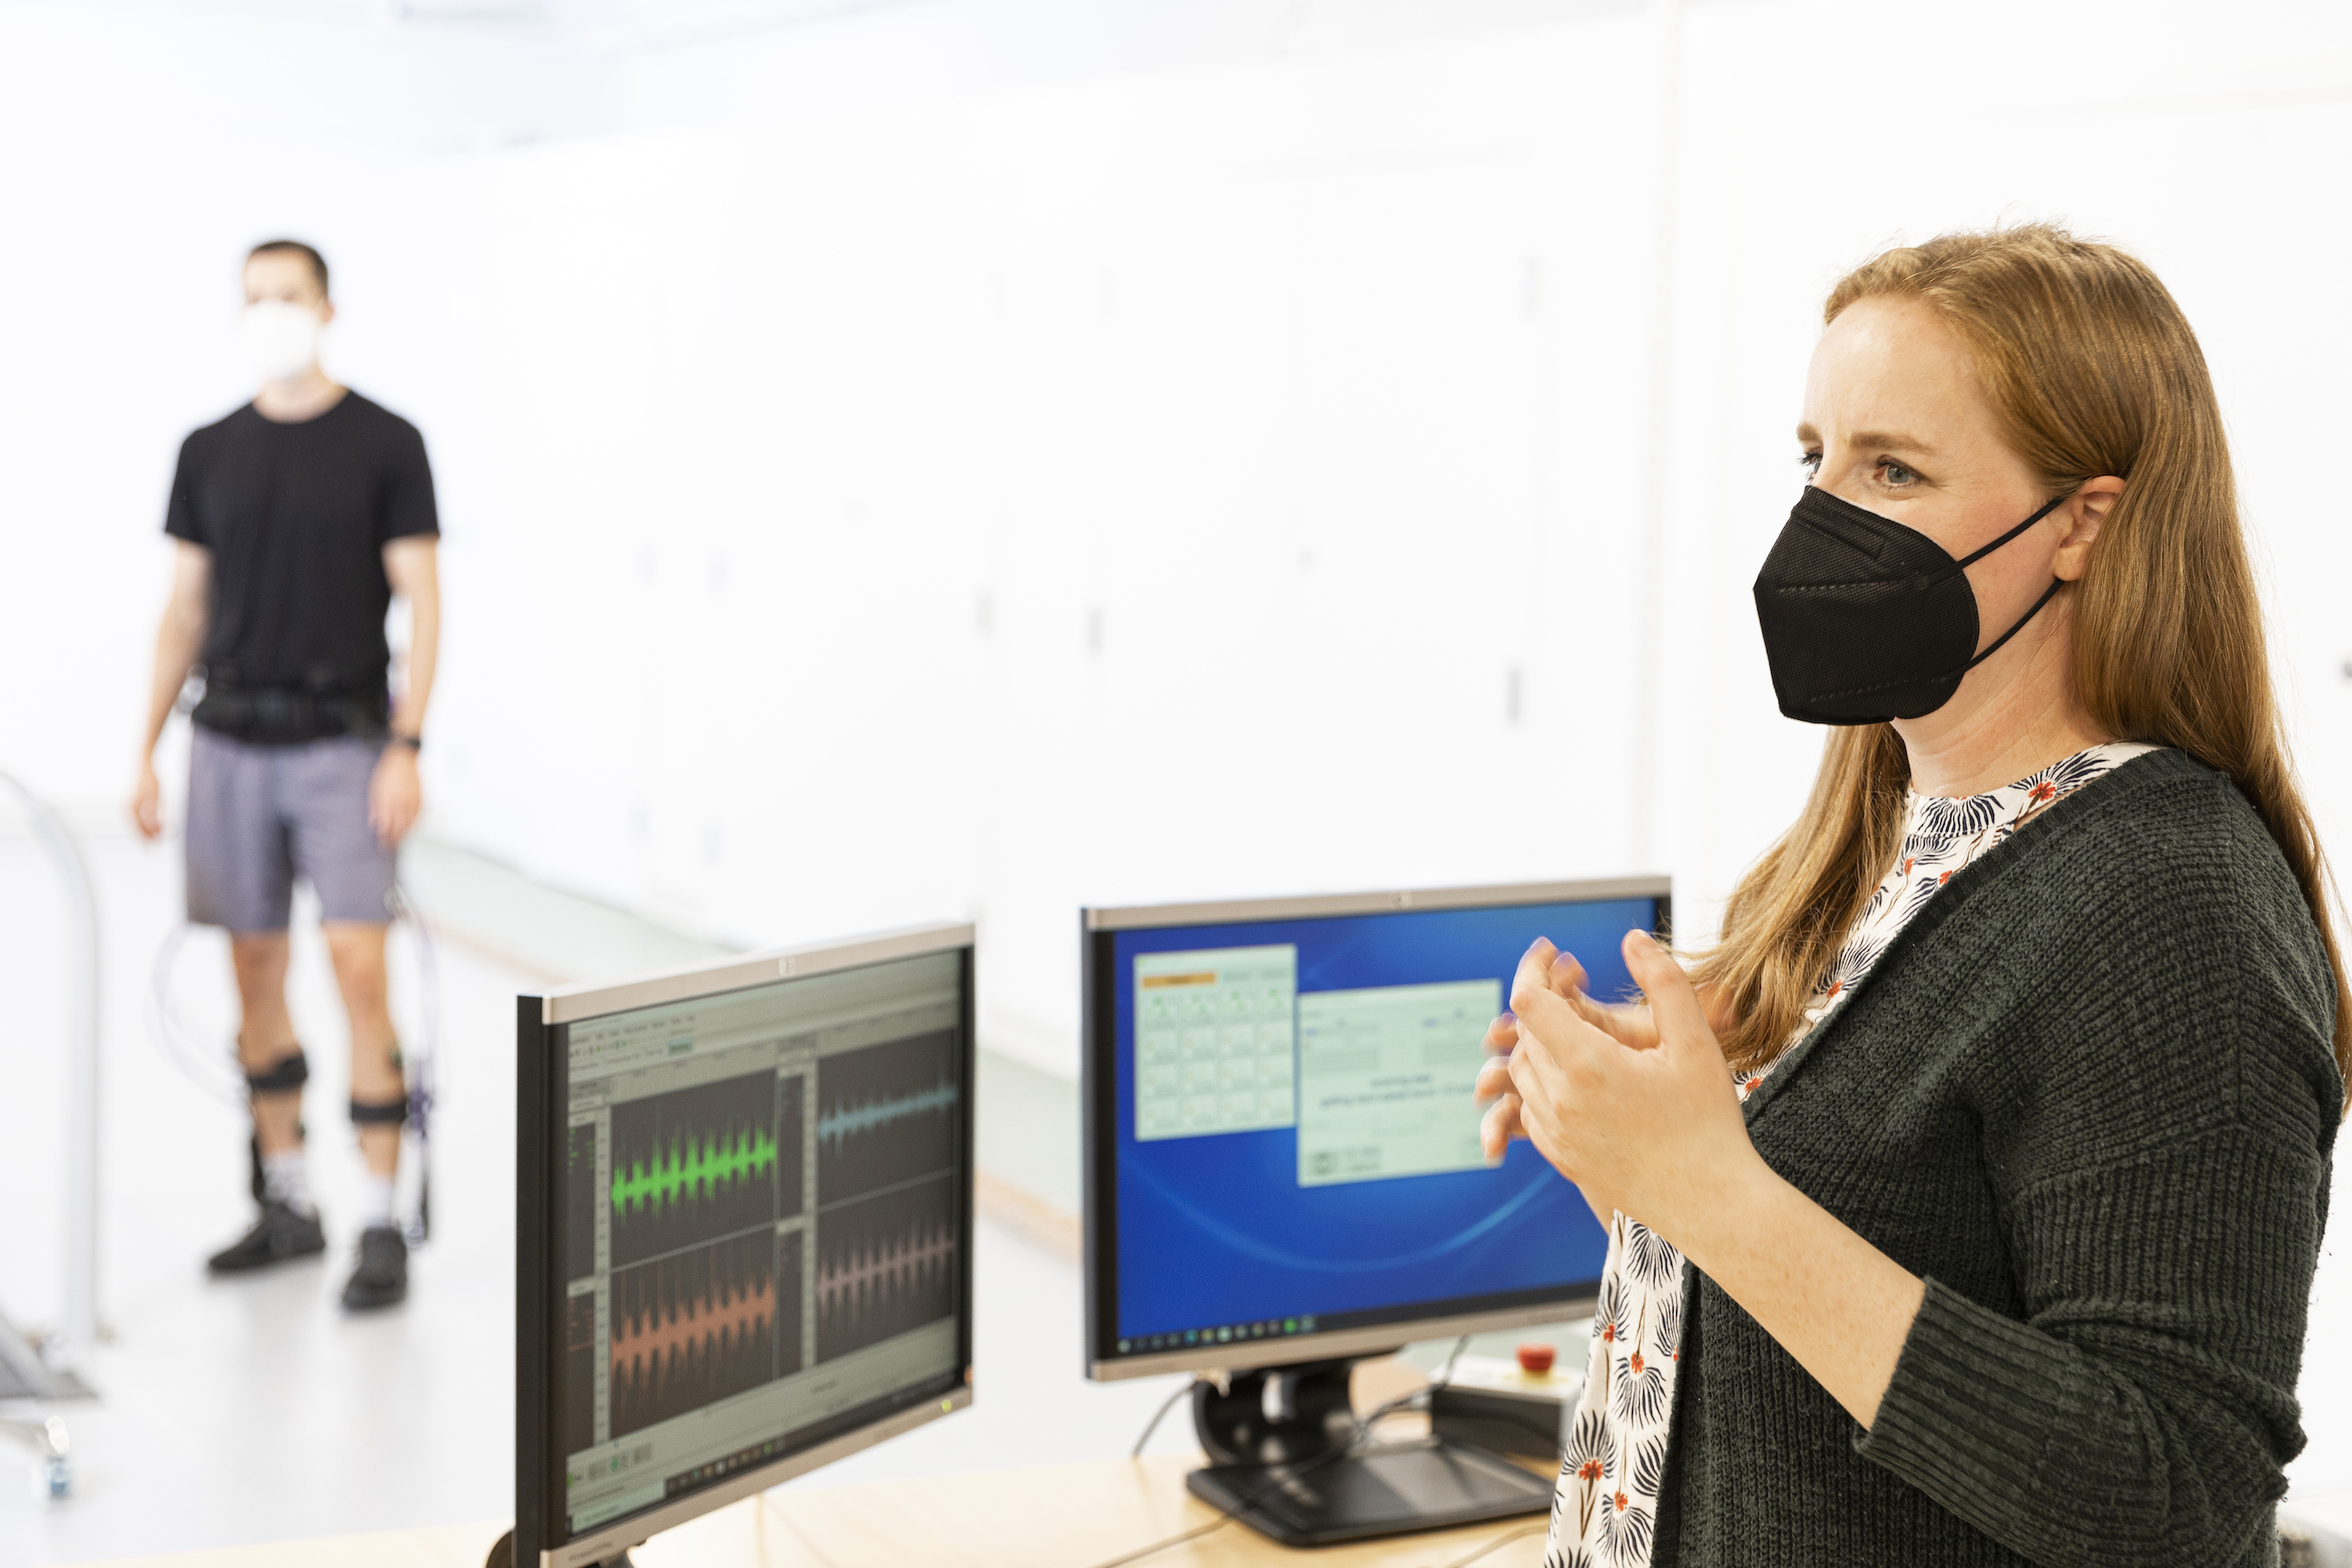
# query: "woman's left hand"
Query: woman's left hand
1653,1133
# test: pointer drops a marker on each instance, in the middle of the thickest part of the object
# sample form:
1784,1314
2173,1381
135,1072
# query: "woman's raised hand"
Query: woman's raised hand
1632,1104
1565,977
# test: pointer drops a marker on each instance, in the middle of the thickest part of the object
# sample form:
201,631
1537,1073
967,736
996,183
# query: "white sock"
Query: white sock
286,1179
375,1200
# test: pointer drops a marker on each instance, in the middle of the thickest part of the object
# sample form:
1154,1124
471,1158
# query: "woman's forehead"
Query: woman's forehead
1889,373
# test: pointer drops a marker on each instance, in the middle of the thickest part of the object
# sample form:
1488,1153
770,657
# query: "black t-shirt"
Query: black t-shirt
297,517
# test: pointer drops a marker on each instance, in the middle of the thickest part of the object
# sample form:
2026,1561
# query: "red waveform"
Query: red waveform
699,1324
899,1261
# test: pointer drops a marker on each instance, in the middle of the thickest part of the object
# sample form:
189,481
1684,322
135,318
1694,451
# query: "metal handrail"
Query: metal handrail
79,1330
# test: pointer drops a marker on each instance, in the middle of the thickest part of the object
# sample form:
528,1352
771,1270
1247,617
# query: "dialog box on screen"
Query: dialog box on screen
1213,1040
1385,1077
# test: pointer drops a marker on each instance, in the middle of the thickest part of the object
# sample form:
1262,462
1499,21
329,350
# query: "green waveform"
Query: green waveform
689,1163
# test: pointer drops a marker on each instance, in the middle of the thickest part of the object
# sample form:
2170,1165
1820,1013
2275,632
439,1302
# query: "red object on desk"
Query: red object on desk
1535,1356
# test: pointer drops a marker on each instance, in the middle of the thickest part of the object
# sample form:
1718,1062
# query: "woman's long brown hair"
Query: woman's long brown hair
2094,371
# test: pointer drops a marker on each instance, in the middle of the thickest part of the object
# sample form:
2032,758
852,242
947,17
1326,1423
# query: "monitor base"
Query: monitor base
1390,1490
502,1555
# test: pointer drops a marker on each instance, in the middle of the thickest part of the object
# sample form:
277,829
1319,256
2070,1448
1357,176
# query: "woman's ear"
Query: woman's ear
2084,515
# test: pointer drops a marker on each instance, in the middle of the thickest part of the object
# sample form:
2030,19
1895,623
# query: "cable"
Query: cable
1360,1435
171,1034
1417,1396
1521,1533
1445,1373
1193,1535
421,1069
1157,1415
1227,1516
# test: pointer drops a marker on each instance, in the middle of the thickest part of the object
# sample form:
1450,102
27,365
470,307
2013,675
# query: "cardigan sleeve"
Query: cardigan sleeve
2161,1151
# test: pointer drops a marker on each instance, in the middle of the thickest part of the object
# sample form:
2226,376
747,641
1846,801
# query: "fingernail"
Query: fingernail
1507,1015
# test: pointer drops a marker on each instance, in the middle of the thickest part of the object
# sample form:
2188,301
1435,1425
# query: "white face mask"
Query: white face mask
282,339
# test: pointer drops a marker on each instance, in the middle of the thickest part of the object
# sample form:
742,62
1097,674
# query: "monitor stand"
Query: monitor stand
1281,1464
502,1555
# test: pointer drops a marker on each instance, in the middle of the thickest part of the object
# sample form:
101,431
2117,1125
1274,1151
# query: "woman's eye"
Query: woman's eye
1811,462
1895,475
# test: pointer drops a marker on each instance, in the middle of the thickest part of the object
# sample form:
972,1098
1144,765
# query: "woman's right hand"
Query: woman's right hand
1631,1026
147,802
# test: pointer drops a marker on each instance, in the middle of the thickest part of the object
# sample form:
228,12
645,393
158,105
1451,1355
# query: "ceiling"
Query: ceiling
597,25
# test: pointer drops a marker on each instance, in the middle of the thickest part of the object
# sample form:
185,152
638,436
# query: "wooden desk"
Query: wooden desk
1059,1516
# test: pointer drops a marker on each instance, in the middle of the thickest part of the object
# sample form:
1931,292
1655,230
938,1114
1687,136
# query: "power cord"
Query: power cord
1360,1435
215,1076
1227,1516
1521,1533
1445,1373
421,1071
1157,1416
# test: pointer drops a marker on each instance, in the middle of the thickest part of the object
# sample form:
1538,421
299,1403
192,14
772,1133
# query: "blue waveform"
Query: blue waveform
836,1126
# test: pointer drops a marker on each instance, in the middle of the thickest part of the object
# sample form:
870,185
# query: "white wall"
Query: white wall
1116,491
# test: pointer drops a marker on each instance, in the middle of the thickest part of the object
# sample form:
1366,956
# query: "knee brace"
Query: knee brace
382,1114
284,1076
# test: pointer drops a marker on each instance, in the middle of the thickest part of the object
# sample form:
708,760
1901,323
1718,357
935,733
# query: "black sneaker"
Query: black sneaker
282,1233
381,1278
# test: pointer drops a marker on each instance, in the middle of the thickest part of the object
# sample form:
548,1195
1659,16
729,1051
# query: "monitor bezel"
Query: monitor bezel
1098,1089
541,1106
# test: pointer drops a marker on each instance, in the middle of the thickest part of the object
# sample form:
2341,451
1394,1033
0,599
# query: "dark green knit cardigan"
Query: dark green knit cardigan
2088,1095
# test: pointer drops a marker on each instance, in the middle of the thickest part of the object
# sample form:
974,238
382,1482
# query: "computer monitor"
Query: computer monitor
1283,1169
743,1223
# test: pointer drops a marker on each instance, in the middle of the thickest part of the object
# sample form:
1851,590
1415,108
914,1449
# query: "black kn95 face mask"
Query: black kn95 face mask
1865,620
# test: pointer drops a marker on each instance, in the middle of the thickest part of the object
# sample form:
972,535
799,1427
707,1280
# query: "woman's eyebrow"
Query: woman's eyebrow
1881,439
1886,440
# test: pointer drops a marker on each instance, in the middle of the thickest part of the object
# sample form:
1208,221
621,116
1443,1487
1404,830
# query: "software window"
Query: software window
1385,1077
761,1222
1213,1040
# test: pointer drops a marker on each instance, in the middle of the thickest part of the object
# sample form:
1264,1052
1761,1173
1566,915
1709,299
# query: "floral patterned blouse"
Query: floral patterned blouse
1606,1506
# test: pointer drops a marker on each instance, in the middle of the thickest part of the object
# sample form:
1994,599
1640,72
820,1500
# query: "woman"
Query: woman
2001,1229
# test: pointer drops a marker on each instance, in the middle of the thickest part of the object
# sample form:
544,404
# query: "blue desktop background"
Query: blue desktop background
1216,1229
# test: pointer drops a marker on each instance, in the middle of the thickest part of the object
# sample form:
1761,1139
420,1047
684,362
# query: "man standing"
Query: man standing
297,518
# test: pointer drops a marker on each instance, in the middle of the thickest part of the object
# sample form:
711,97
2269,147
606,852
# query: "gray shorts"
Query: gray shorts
258,815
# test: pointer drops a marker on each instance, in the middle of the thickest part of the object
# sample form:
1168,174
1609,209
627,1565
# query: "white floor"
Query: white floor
255,1410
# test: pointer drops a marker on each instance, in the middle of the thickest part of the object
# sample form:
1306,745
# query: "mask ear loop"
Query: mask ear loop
2047,595
2054,503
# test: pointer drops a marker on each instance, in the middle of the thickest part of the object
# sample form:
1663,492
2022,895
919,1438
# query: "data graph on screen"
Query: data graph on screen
697,1326
887,1264
759,1195
695,1164
886,1113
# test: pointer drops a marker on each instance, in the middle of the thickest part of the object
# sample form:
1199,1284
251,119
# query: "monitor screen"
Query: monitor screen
760,1227
1283,1141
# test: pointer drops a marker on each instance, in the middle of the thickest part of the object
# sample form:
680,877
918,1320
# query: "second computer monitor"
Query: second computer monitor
1282,1161
744,1237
